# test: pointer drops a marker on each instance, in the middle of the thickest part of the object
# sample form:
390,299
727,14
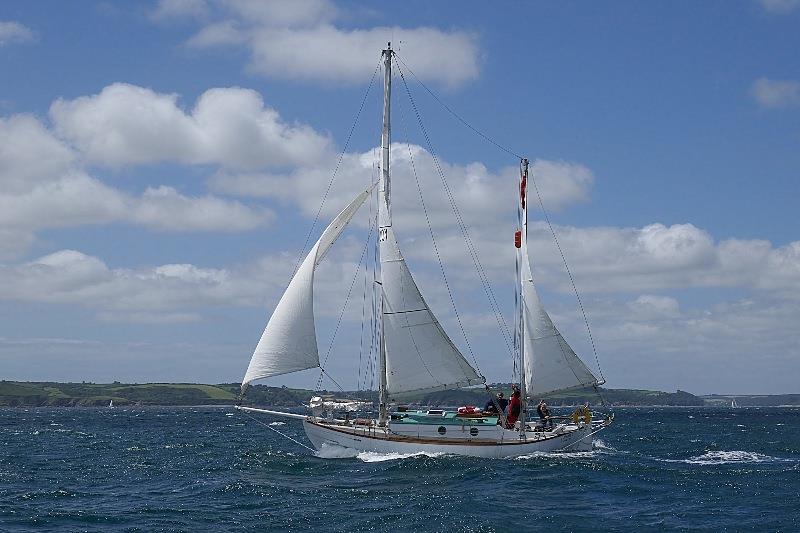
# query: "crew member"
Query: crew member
514,408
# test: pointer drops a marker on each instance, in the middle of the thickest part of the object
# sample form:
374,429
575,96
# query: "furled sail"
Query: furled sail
289,342
419,354
551,365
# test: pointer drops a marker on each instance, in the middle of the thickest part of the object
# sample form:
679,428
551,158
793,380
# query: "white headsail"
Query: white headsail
550,364
289,342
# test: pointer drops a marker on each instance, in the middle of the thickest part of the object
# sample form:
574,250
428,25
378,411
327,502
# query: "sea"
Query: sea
194,469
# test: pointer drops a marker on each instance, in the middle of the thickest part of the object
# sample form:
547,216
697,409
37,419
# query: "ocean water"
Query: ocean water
210,469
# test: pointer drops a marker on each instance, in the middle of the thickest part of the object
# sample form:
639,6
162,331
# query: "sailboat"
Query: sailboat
416,355
110,404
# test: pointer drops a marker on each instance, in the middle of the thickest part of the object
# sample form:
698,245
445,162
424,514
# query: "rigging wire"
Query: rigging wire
438,258
248,415
569,273
456,115
336,169
541,203
472,249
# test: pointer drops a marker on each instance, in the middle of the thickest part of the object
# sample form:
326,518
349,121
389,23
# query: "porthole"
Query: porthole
473,432
442,430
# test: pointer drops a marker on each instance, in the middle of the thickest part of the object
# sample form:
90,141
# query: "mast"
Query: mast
384,216
522,234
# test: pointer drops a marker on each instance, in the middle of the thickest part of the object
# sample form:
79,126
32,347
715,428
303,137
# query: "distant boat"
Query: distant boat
416,355
733,403
110,404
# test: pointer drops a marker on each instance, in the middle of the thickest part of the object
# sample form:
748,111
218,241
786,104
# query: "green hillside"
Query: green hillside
34,394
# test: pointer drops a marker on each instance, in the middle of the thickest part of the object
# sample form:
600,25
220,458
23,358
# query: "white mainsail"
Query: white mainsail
417,354
550,364
289,342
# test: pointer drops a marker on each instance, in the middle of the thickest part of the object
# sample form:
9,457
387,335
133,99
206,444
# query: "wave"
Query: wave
332,451
277,423
723,457
557,455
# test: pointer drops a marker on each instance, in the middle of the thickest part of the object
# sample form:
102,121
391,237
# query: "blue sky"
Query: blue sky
162,162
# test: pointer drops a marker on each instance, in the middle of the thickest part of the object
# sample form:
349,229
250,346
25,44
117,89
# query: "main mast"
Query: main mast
384,215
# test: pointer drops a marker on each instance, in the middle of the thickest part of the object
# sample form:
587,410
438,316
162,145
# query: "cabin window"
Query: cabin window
442,430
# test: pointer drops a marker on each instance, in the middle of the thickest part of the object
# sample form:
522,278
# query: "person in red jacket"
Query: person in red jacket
514,408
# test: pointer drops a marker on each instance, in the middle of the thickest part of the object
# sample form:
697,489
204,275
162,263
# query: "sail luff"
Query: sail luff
289,341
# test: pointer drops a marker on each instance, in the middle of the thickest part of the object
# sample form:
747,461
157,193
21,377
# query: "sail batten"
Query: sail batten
289,342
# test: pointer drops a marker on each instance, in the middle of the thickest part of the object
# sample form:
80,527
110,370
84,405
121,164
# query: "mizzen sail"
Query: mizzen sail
550,364
289,342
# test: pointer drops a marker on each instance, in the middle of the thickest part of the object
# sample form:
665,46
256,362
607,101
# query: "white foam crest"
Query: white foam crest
722,457
332,451
377,457
277,423
556,455
599,444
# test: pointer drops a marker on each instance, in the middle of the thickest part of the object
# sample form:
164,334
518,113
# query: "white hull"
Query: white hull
507,443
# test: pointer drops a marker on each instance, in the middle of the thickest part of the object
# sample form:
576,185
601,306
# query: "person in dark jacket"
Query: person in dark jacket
544,415
514,408
493,404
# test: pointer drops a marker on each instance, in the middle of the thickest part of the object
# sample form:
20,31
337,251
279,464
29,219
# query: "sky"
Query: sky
162,164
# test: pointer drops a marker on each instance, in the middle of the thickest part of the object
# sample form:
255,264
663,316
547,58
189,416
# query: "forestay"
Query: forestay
289,342
551,365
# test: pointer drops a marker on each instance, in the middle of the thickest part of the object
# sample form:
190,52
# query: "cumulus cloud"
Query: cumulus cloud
301,40
776,94
127,125
13,32
480,194
43,186
171,292
29,154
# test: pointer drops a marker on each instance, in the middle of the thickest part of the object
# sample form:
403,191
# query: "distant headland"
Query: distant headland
41,394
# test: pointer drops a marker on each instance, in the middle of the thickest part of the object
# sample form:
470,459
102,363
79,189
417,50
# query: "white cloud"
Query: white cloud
780,6
300,40
125,124
43,186
14,32
171,292
165,209
480,194
776,94
78,199
652,340
29,154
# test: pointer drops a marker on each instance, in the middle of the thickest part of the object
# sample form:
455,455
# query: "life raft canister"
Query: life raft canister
467,410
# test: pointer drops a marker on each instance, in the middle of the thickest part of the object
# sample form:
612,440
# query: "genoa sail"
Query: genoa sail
289,342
